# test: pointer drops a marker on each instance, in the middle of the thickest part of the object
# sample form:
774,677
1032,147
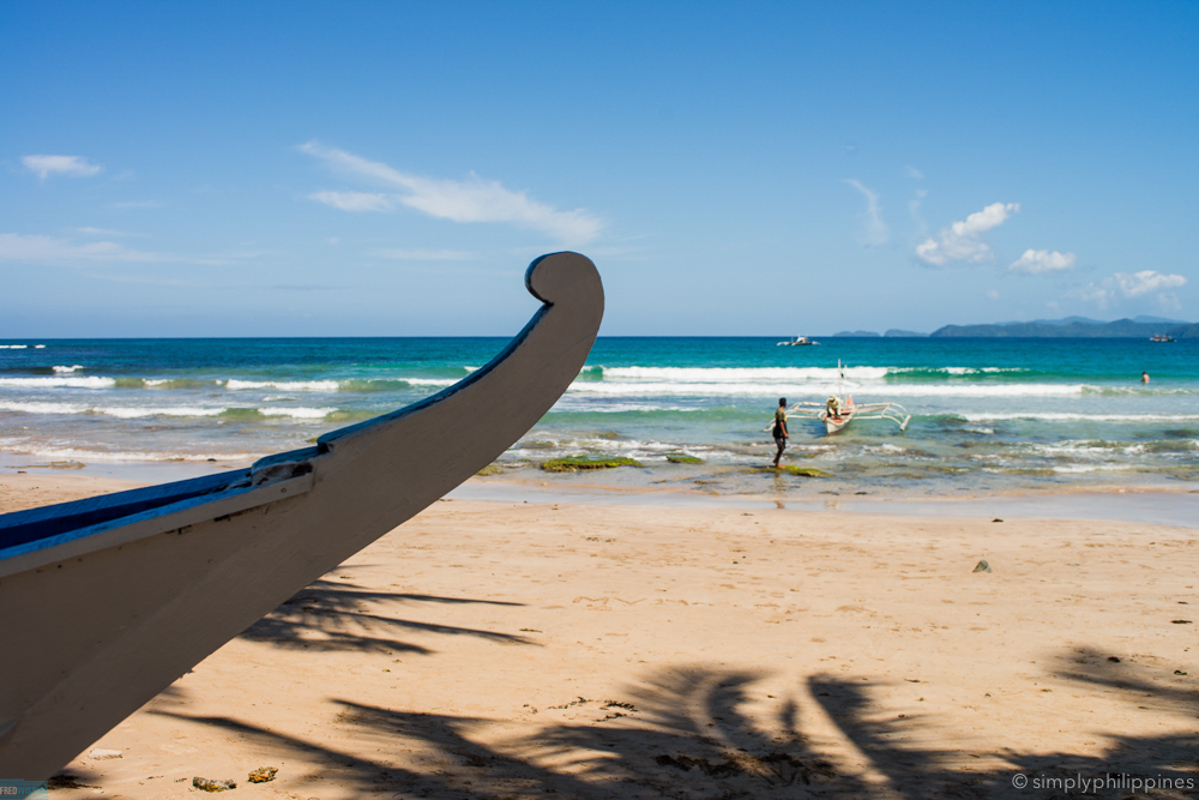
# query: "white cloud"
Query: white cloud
962,241
49,250
1133,284
425,255
136,204
472,200
106,232
72,166
875,231
912,172
992,294
353,201
1035,262
1145,281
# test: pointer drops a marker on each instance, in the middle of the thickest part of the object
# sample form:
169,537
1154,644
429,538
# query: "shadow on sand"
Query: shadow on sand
329,616
689,733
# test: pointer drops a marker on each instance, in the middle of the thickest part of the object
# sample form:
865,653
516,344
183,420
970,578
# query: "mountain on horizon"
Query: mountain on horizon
1078,327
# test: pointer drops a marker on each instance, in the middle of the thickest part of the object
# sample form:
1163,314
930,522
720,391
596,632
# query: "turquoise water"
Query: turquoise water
986,413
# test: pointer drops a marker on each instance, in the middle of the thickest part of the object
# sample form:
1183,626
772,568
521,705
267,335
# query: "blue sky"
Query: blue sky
252,168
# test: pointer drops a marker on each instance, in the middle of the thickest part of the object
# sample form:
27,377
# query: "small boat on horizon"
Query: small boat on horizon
797,342
1157,337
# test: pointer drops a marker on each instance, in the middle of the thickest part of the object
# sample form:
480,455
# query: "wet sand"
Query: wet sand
513,649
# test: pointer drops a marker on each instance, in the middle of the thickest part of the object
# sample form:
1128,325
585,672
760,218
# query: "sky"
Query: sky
792,168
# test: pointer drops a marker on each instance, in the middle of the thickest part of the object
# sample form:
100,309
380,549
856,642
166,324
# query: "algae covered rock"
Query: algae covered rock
209,785
577,463
683,458
490,469
263,774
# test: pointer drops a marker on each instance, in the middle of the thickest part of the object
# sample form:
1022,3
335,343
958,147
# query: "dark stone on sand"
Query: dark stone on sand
997,519
209,785
1114,659
1179,672
1181,621
982,566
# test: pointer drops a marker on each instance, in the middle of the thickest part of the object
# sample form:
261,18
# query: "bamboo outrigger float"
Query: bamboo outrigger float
840,408
104,602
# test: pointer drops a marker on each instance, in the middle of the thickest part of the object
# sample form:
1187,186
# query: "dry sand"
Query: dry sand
503,650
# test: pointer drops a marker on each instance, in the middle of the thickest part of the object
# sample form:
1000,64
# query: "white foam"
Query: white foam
45,408
14,346
66,370
89,382
297,413
291,386
429,381
1054,416
139,412
876,393
740,375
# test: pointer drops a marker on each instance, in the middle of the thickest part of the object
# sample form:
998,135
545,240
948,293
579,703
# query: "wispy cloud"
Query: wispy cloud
70,166
1035,262
136,204
106,232
962,241
425,255
353,201
1138,283
473,200
874,231
49,250
1131,284
912,172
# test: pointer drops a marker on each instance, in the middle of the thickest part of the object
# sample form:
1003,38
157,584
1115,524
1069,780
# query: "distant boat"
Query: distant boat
796,342
1157,337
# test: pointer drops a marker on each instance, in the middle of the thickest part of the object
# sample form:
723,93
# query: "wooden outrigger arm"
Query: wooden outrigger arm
104,602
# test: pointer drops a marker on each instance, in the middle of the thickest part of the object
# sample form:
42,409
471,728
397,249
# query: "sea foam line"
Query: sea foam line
140,412
1055,416
799,389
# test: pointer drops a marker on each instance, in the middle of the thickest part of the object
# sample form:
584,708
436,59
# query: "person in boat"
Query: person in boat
834,406
780,430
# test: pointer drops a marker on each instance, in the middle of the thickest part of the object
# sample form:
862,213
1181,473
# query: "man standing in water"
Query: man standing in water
780,430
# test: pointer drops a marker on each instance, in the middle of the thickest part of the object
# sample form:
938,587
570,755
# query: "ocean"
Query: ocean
988,415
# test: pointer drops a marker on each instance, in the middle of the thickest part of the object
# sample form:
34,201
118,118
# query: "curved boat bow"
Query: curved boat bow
104,602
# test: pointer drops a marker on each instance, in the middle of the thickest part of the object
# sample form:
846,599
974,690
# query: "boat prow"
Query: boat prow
105,602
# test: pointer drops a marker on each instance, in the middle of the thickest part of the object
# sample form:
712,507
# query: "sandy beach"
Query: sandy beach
515,649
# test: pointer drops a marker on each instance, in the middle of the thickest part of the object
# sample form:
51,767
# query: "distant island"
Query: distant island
1069,327
1078,327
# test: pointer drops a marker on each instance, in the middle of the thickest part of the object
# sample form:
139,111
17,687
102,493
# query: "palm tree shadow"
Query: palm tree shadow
691,733
332,616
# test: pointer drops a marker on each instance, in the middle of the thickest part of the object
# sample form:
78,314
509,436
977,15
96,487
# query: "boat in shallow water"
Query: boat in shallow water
105,602
837,412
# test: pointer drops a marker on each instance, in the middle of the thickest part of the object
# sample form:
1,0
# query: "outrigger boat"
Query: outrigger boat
104,602
837,415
